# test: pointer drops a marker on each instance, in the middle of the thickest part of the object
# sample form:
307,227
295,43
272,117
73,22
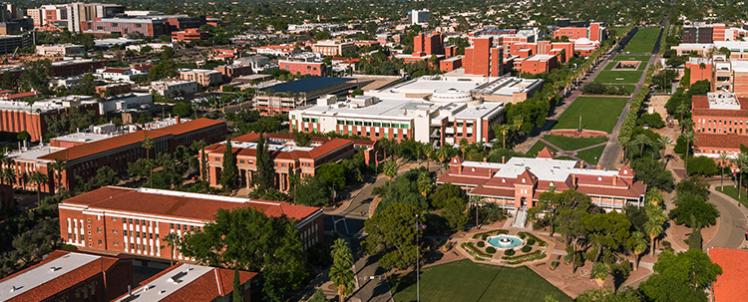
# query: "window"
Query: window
124,232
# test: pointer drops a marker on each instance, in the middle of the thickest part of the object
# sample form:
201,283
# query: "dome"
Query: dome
452,95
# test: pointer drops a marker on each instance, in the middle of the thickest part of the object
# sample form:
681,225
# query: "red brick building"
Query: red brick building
537,64
84,159
594,32
69,276
428,44
189,282
730,285
303,67
118,220
518,183
189,35
700,69
720,123
288,157
481,58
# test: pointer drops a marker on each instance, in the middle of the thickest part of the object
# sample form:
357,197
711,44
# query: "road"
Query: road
732,221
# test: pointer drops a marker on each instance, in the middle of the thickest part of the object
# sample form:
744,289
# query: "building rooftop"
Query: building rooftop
48,104
306,85
187,282
730,285
547,169
283,146
198,208
56,273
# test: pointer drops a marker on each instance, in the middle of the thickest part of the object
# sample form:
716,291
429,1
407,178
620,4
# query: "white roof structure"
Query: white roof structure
723,101
48,104
376,108
547,169
739,66
167,284
42,274
735,46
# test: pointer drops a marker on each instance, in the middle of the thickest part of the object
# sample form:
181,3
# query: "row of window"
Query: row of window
373,124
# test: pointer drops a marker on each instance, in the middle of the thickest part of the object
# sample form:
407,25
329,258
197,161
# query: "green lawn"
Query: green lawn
591,156
573,143
629,57
598,113
731,191
643,41
536,148
619,77
465,281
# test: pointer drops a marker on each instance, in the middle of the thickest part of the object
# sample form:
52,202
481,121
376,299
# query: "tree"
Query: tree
340,272
444,192
688,206
723,162
454,213
654,226
424,184
390,169
236,294
173,240
654,174
148,146
681,277
229,170
311,192
604,295
607,232
183,109
392,233
265,177
38,179
59,167
248,240
702,166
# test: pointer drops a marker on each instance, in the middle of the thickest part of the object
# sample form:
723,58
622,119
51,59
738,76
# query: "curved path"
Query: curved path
732,226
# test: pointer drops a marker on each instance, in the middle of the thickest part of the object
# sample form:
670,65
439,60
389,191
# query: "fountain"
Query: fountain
503,241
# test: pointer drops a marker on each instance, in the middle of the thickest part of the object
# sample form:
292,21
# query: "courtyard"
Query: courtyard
597,113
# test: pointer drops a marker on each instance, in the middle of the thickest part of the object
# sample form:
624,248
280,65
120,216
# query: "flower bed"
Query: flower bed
485,235
528,236
513,260
473,251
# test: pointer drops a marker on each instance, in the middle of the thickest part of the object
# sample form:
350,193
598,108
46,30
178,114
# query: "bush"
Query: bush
554,264
481,244
509,252
702,166
522,235
526,249
653,120
491,250
531,241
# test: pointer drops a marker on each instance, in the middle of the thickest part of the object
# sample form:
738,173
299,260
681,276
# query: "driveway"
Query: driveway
732,227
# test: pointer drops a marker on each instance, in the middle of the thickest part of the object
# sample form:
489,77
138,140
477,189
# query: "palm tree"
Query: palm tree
147,145
503,129
9,176
38,179
639,246
723,160
173,240
664,141
341,273
428,151
688,133
390,169
654,224
58,166
741,164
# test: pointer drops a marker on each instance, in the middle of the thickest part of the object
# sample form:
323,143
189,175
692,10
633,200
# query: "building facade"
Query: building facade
720,124
132,221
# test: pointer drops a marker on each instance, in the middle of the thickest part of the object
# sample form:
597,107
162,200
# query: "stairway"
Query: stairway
520,218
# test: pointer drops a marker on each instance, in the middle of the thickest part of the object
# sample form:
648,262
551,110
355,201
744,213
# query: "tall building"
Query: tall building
74,17
703,33
419,17
481,58
115,220
720,124
594,32
428,44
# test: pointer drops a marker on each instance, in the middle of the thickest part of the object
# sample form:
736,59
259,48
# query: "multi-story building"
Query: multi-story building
518,183
699,32
289,158
234,70
148,27
333,48
275,50
538,64
85,153
284,97
720,124
74,17
189,35
481,58
20,116
12,43
61,50
190,282
69,276
419,17
173,89
594,32
203,77
428,44
116,220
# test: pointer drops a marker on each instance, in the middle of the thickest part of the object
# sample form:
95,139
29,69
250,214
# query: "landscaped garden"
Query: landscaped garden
643,41
472,282
598,113
592,155
535,149
733,192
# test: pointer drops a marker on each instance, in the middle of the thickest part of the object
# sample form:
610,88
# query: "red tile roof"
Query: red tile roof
326,147
120,141
731,285
726,141
64,282
200,207
700,106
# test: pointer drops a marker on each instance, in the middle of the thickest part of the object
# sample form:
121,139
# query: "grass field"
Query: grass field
591,156
731,191
643,41
464,281
536,148
598,113
625,57
619,77
573,143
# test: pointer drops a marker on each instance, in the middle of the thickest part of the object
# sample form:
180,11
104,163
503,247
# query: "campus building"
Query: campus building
84,153
518,183
720,124
69,276
333,48
284,97
594,32
119,220
61,50
203,77
289,158
730,285
482,58
302,67
190,282
17,116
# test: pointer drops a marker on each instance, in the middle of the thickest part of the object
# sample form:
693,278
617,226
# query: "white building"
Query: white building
62,50
174,88
419,17
126,102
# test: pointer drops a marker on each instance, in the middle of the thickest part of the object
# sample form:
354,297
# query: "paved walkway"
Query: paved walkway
732,227
569,153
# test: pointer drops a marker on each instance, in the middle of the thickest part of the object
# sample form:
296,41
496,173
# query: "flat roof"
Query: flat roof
307,84
43,273
48,104
388,109
182,205
547,169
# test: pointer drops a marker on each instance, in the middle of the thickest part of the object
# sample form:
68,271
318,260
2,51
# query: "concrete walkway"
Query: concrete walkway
732,227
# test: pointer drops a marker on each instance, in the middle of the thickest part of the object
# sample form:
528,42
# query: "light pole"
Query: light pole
418,260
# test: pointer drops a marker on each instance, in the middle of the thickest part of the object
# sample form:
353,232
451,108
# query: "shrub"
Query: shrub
509,252
554,264
526,249
522,235
491,250
484,236
531,241
481,243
